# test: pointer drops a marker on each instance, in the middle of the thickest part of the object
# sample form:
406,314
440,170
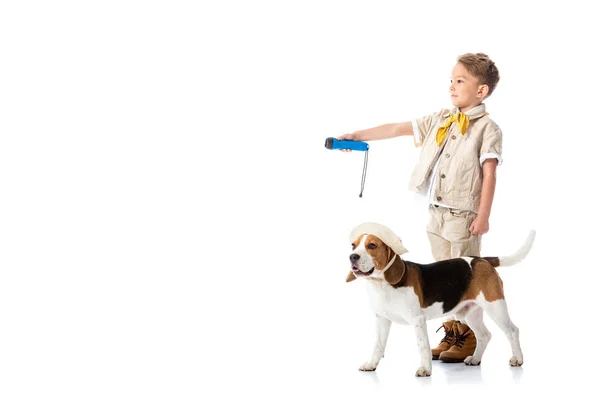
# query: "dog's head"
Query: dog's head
375,253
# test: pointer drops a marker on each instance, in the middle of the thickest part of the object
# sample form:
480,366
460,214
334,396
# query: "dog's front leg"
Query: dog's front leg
382,331
424,349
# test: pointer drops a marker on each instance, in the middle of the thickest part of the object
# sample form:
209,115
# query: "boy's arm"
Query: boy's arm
386,131
481,224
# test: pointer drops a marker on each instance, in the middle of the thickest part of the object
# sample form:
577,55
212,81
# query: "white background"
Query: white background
172,227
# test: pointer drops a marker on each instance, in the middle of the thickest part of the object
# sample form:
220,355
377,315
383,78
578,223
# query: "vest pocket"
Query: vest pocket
467,176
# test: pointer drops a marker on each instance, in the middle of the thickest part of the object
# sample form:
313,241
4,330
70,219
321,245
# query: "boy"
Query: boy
460,149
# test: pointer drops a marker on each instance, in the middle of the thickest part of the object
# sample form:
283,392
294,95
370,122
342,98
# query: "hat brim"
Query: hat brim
382,232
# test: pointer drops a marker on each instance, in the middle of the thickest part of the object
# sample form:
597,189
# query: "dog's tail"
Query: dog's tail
516,257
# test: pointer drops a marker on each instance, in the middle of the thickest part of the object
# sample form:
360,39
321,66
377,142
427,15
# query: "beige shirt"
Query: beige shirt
452,172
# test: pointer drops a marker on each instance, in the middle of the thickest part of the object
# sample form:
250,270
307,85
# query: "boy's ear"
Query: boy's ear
483,91
350,277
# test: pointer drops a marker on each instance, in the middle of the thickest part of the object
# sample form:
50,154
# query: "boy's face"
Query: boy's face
465,90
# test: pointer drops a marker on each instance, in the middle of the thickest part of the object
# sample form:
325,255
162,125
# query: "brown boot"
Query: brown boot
447,340
463,346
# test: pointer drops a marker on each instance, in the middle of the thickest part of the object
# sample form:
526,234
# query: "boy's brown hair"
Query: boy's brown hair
480,66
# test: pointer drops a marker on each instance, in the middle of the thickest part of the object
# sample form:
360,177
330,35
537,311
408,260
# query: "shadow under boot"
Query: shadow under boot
447,340
463,346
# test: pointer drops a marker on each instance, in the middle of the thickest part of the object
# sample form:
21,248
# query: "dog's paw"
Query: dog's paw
368,366
422,371
515,362
470,360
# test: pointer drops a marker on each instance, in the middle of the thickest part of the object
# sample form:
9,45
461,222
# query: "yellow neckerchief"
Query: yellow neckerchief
463,123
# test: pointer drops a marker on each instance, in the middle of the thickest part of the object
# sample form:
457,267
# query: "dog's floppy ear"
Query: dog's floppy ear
395,272
350,277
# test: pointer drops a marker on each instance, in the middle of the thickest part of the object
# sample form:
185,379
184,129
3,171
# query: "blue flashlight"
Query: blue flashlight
334,144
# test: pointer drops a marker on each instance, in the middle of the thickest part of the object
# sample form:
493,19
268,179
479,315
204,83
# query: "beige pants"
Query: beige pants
449,236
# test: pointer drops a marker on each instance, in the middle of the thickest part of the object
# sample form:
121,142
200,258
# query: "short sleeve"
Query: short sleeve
491,147
423,127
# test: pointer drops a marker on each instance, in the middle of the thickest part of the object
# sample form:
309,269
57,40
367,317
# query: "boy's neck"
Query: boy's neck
467,108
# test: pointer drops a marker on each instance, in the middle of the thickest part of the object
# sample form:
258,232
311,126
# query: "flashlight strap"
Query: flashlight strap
364,174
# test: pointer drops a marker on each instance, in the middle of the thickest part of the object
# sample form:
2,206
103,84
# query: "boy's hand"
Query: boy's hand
347,136
479,226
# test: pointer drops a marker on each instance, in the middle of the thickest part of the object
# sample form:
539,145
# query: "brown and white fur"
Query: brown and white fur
404,292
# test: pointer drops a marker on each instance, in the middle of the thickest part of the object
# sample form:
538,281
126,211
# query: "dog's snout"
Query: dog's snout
354,257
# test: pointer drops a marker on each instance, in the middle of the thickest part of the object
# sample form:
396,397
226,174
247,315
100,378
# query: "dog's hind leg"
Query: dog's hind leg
475,321
498,311
382,331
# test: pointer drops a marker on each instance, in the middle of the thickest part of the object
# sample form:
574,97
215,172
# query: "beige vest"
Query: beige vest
459,179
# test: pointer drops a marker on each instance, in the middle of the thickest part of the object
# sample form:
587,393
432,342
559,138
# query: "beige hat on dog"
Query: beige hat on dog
382,232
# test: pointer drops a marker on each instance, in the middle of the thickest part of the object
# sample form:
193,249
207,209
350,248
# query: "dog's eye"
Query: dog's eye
371,246
353,246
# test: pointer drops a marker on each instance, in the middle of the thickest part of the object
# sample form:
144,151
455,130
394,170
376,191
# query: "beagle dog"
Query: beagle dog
405,292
